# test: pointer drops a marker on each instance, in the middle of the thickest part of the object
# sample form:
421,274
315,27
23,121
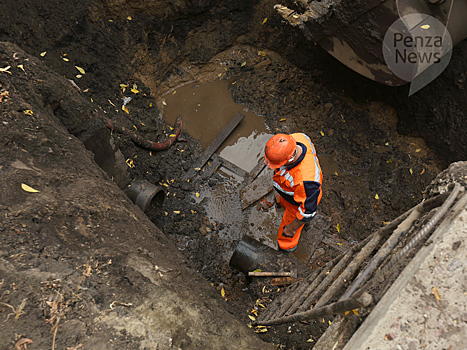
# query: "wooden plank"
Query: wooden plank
210,169
231,166
199,163
256,190
252,175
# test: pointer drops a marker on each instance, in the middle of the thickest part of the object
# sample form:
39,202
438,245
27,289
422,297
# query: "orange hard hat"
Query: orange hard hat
279,149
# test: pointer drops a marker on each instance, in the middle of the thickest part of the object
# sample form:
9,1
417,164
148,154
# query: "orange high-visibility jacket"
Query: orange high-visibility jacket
300,184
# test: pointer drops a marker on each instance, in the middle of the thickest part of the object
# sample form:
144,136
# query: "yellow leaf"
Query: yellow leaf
265,20
20,66
173,93
418,150
339,243
376,196
134,91
130,163
28,188
135,86
197,169
243,64
193,211
254,312
197,194
346,313
355,311
249,325
386,144
435,292
129,18
283,120
262,306
330,322
165,185
260,327
81,70
425,26
28,112
235,82
311,340
219,75
257,270
43,53
125,109
264,288
79,76
111,103
322,133
261,330
261,53
92,100
172,135
422,171
164,103
252,318
223,293
65,59
177,211
150,105
410,171
338,227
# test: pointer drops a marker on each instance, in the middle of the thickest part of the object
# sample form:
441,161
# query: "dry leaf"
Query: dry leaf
264,288
172,135
135,91
129,18
425,26
79,76
81,70
23,342
111,103
283,120
410,171
125,109
418,150
5,69
335,173
262,306
261,330
28,112
265,20
338,227
28,188
20,66
355,311
322,133
65,59
197,194
177,211
422,171
164,103
223,293
252,318
43,53
435,292
376,196
219,75
243,64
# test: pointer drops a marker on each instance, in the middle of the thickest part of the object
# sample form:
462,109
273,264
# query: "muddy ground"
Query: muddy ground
272,70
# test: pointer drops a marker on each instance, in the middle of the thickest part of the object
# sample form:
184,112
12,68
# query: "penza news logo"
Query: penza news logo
417,48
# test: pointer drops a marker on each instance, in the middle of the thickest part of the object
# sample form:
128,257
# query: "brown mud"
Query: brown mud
372,171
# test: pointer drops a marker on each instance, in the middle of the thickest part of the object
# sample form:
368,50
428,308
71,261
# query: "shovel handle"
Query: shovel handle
270,274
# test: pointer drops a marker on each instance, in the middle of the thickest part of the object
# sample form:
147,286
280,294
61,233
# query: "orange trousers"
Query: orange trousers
288,243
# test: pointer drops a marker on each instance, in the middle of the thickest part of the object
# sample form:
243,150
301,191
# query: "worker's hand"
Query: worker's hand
277,197
288,231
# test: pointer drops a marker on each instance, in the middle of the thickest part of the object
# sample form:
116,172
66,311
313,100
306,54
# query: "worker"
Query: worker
297,180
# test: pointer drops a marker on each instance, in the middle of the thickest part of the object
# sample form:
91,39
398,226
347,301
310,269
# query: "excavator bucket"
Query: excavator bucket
353,30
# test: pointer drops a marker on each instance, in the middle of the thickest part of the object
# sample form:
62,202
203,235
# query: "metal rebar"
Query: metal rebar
356,302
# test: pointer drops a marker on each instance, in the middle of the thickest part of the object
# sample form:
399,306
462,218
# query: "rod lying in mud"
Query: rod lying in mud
155,146
358,301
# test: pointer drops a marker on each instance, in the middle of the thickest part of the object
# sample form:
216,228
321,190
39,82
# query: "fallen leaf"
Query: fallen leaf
28,112
81,70
355,311
410,171
197,194
252,318
261,330
172,135
322,133
219,75
338,227
425,26
386,144
193,211
164,103
20,66
111,103
125,109
261,53
243,64
264,288
223,293
376,196
43,53
262,306
5,69
28,188
129,18
265,20
235,82
150,105
197,169
92,100
330,322
177,211
135,91
435,292
254,312
339,243
283,120
422,171
65,59
173,93
418,150
130,163
311,340
79,76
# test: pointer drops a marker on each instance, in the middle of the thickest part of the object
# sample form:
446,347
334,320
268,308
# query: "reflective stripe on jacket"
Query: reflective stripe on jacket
300,184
